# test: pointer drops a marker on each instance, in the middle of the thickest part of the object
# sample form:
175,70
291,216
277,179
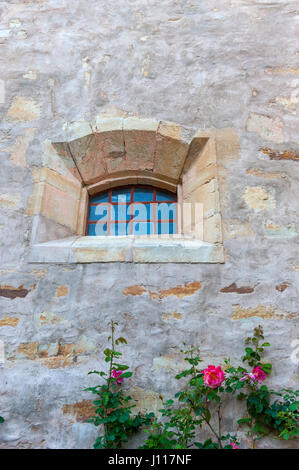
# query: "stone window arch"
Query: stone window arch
114,152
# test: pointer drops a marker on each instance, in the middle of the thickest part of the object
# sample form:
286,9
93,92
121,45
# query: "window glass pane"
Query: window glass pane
164,196
121,195
140,211
143,228
119,229
103,197
97,229
116,213
120,212
165,228
99,212
143,194
166,211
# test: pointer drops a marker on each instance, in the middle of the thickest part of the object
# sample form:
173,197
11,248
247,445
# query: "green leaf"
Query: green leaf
2,419
96,372
208,415
294,406
120,366
249,351
126,375
122,340
244,421
259,428
241,396
267,367
124,417
105,399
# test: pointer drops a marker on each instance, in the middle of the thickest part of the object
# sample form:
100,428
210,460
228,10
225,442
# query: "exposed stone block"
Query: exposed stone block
59,206
18,150
272,229
23,109
172,317
9,321
140,143
13,292
227,145
258,199
266,127
281,154
10,201
184,251
212,229
208,195
234,228
27,350
172,146
62,291
146,400
108,250
261,311
81,411
234,289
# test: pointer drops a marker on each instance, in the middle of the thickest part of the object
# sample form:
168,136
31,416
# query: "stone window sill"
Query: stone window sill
129,249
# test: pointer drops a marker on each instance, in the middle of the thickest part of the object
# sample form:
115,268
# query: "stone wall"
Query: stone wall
230,65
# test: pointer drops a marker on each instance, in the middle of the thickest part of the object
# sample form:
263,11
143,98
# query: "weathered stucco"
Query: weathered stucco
231,66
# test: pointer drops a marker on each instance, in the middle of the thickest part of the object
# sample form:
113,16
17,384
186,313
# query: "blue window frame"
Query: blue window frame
132,210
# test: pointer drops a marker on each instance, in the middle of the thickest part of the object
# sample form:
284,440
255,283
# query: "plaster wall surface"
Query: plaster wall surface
230,65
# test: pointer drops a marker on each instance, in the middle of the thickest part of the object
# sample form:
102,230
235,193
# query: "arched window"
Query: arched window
132,210
112,153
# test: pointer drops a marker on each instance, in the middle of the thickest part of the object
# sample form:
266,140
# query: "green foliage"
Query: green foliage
197,403
159,437
285,414
190,411
253,354
278,418
113,408
208,444
179,422
2,419
266,416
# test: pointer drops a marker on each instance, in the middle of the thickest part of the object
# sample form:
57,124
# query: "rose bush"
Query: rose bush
199,404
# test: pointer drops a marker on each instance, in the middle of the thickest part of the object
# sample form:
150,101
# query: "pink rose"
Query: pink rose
249,376
213,376
116,375
259,374
234,446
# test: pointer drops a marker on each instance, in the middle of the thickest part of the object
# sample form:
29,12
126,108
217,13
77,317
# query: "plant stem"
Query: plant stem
193,366
219,425
211,428
252,434
106,425
112,352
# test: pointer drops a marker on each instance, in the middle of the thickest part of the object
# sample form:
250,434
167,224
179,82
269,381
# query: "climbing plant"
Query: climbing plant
198,404
113,407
